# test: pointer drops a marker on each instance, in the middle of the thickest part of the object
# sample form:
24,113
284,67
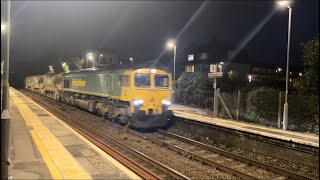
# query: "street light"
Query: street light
91,58
171,44
283,3
286,4
131,59
100,56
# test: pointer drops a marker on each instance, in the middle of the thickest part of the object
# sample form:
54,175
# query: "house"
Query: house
241,66
100,58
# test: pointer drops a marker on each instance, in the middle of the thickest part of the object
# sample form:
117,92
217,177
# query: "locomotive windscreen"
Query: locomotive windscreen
161,80
142,80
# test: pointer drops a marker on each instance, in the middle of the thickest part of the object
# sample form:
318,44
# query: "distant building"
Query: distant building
199,60
100,59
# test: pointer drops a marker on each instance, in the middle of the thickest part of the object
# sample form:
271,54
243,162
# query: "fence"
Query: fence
198,99
262,106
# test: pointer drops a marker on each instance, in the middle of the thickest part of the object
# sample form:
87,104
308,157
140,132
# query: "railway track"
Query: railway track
102,140
239,166
211,151
218,158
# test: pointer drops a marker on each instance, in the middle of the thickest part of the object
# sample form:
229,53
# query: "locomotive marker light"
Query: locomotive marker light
153,71
171,44
286,4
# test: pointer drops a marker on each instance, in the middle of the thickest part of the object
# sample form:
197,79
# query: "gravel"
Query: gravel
178,162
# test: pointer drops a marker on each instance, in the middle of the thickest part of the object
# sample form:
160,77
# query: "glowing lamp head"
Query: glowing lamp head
283,3
170,44
153,71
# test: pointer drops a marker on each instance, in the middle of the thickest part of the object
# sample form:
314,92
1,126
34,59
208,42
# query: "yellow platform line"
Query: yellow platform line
59,161
128,172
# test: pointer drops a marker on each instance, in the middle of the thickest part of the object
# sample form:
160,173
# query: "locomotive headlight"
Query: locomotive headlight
166,102
137,102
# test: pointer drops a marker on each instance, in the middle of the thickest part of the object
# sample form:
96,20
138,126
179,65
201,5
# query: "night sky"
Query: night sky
42,31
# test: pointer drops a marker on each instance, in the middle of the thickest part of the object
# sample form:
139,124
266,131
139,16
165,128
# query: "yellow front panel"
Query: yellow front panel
152,96
152,99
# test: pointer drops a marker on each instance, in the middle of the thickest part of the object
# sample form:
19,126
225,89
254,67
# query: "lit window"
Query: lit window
290,80
290,73
203,55
190,57
249,78
300,74
189,68
255,69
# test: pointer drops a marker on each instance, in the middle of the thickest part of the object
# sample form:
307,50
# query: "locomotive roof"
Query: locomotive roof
113,67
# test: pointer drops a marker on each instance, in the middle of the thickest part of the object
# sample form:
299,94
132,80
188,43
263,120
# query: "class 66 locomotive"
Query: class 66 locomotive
138,98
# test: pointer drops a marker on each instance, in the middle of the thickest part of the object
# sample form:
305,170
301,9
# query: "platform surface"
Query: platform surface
197,114
44,147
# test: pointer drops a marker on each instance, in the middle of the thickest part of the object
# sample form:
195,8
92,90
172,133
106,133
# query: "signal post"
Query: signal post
215,72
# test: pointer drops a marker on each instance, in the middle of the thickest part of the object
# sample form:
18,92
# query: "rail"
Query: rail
91,133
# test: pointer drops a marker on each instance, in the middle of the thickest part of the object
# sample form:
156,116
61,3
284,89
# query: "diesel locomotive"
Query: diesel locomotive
138,98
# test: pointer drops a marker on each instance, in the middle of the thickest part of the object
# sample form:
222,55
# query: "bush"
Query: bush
303,112
262,104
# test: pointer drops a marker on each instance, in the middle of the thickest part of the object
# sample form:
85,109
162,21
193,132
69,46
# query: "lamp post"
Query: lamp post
5,116
131,59
89,57
286,4
171,44
100,56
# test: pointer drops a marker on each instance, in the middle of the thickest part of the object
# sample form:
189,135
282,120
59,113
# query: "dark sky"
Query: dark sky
42,31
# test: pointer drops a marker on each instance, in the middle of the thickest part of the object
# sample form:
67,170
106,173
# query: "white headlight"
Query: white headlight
137,102
166,102
153,71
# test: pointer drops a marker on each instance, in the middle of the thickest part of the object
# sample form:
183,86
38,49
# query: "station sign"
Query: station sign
213,68
215,75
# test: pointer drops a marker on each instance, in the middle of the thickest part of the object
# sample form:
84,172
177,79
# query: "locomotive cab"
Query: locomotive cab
151,96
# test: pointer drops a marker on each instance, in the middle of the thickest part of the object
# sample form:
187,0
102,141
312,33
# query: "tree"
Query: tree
308,84
51,70
73,63
65,67
194,82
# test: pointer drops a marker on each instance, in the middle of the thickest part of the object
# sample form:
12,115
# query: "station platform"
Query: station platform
197,114
44,147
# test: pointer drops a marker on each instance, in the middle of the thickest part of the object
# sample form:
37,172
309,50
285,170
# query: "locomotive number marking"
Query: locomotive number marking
78,82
